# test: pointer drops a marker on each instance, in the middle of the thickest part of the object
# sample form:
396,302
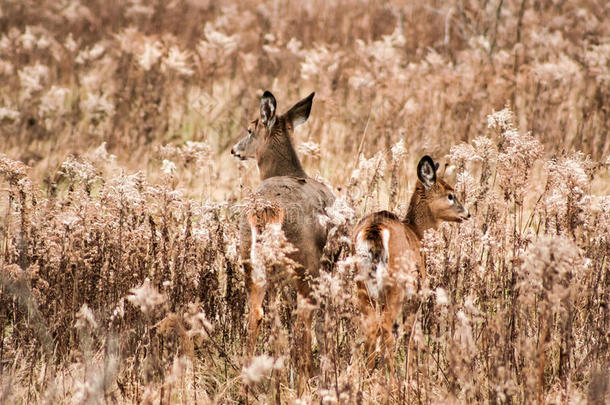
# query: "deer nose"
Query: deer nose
232,151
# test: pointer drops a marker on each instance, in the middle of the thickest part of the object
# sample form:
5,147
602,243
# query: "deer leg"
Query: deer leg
303,353
255,316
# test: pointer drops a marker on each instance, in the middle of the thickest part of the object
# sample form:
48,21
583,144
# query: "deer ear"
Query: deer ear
268,106
426,171
299,113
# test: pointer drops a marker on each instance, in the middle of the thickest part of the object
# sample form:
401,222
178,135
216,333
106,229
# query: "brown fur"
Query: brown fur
428,207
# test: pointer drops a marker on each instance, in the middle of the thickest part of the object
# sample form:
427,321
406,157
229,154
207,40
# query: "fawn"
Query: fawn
387,247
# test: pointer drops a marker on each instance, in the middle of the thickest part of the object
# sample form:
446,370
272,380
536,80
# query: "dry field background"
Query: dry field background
119,277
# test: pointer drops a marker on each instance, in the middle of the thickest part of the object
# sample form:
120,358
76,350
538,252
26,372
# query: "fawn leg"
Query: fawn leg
394,296
370,325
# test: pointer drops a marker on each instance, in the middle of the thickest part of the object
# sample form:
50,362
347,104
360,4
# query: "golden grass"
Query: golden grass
116,122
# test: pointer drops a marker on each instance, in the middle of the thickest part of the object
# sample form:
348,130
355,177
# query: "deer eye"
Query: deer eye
450,197
249,131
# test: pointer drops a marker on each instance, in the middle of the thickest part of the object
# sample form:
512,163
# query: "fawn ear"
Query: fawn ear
268,106
442,174
426,171
299,113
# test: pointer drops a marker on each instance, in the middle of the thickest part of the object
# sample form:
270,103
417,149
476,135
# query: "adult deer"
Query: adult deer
388,248
291,199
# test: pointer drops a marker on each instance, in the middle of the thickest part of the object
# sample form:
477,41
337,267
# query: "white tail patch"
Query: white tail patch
373,271
382,265
258,267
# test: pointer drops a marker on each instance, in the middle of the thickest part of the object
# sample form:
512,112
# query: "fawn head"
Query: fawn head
434,200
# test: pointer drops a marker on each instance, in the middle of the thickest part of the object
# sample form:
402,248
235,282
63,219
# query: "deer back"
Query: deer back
299,204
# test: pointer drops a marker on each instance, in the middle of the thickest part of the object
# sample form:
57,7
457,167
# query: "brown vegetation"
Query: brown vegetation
119,273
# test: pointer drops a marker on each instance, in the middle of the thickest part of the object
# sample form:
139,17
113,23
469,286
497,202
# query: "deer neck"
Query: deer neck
280,159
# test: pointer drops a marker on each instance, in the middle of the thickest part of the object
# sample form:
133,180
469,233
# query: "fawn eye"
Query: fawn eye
249,131
450,197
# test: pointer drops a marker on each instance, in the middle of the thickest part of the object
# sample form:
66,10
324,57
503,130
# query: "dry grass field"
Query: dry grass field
120,280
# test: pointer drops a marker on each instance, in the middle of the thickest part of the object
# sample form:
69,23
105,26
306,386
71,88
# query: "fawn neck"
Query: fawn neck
419,216
279,157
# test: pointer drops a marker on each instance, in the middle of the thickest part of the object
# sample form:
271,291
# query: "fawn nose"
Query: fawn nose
232,151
